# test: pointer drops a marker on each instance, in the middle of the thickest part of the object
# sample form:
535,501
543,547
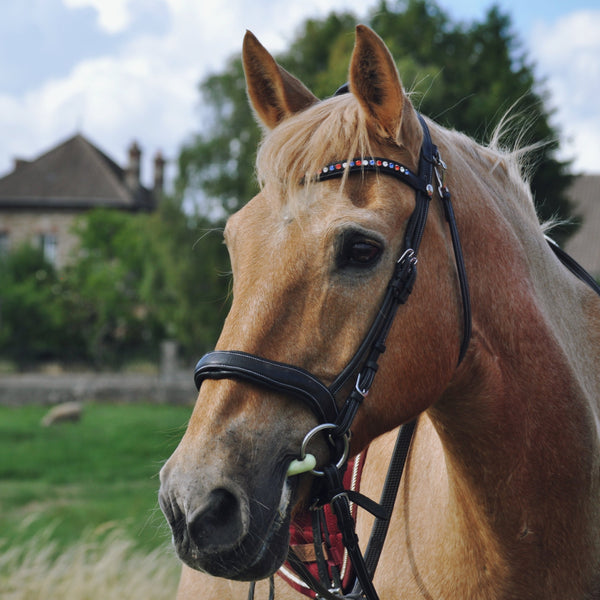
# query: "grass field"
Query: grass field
81,491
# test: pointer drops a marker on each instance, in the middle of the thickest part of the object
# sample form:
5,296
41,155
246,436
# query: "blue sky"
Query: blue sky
118,70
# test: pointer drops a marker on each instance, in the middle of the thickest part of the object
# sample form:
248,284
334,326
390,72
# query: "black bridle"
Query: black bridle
330,411
288,379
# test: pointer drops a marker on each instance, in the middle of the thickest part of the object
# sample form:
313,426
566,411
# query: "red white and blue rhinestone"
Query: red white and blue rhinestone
372,162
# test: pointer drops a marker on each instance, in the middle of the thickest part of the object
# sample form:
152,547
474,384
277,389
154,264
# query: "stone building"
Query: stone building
584,246
40,199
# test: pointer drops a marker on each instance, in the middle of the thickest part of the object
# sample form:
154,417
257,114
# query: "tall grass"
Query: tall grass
100,566
77,476
79,517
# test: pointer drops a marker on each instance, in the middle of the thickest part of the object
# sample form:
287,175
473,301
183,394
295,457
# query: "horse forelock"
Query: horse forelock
294,152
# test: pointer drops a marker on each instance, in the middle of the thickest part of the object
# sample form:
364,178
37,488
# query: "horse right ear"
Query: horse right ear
273,92
375,82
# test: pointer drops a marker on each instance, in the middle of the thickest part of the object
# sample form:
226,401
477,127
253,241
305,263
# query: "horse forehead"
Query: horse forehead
319,207
269,219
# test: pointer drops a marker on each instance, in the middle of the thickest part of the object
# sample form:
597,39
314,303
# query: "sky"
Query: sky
124,70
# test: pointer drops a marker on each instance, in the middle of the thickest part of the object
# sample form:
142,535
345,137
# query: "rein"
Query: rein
324,400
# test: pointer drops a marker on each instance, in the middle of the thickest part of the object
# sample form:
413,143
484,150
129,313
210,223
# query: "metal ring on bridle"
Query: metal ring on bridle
318,429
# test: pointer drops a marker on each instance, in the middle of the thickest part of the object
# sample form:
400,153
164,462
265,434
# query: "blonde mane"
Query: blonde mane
337,129
504,172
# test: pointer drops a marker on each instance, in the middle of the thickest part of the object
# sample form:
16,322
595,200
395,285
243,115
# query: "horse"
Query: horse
500,494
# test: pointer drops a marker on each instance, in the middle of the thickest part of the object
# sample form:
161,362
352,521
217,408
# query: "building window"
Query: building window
49,246
4,243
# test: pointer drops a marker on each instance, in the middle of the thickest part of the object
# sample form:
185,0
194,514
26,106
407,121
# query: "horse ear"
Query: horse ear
375,82
274,93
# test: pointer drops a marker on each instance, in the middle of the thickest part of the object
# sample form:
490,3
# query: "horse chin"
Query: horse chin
257,555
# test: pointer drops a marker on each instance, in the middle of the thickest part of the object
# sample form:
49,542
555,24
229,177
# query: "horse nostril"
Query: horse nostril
219,522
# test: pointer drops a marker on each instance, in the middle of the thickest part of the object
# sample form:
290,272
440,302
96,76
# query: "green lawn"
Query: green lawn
70,479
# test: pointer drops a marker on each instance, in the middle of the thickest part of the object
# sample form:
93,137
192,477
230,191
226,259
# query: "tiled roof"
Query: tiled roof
584,245
74,174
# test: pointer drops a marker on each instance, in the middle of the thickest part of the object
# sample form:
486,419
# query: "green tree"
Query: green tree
115,254
34,315
135,281
219,162
189,281
140,279
465,75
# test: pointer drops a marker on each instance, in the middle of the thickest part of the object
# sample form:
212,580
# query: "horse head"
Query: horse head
312,259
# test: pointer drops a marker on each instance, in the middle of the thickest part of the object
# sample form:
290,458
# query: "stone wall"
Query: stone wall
172,385
43,389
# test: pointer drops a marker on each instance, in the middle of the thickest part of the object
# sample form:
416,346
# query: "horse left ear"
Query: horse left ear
375,82
273,92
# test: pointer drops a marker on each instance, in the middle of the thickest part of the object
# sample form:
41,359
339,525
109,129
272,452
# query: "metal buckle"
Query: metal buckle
364,392
336,591
440,178
409,255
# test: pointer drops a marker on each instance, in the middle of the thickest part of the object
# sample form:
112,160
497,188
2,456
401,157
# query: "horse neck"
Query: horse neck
520,415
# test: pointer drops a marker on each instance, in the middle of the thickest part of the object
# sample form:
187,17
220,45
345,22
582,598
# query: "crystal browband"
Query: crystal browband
373,163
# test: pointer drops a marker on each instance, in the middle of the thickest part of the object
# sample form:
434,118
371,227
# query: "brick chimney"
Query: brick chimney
132,173
159,174
20,162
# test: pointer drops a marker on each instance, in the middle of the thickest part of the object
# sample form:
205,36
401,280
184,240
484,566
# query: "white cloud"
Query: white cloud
145,88
114,16
568,54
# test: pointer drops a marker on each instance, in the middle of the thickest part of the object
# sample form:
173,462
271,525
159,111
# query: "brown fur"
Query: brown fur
500,499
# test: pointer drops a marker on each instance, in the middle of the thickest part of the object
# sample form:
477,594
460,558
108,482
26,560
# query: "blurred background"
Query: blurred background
126,142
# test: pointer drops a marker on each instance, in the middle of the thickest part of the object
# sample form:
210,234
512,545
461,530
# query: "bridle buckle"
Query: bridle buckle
440,164
362,391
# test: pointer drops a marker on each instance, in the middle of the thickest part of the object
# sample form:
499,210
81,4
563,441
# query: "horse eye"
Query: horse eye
361,252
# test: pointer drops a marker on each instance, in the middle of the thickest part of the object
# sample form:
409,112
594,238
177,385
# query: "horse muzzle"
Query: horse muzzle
221,529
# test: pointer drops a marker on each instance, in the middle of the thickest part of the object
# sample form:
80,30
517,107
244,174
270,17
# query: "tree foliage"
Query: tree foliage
32,315
136,280
467,76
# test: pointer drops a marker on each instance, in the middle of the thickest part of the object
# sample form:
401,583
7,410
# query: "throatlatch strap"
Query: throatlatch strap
568,261
461,269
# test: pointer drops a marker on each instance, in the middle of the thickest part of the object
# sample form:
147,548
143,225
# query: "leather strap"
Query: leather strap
279,377
573,266
462,272
388,497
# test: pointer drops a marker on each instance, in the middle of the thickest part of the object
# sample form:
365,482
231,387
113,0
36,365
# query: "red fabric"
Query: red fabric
301,534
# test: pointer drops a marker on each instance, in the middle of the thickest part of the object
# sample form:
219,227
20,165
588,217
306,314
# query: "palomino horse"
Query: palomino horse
500,496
